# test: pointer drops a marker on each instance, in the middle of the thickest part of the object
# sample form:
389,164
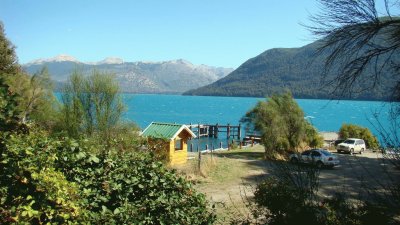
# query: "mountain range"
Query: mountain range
172,77
299,70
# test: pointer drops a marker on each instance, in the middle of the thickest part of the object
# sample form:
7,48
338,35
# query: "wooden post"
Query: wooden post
212,150
220,144
199,163
216,131
240,132
206,146
198,149
191,147
240,144
228,128
229,146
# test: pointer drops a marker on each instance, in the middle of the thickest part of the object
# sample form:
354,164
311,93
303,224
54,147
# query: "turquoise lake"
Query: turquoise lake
326,115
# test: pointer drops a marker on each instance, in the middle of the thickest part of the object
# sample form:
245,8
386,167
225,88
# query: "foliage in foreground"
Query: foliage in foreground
62,180
355,131
282,126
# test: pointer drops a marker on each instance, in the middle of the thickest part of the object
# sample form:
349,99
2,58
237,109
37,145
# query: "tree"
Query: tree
362,43
42,106
8,108
35,96
8,100
8,59
355,131
281,124
312,138
363,46
91,105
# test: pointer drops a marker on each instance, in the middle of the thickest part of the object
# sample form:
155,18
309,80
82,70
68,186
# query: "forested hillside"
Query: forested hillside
299,70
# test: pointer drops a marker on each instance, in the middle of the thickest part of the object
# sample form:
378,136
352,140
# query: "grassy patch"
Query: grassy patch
256,152
225,176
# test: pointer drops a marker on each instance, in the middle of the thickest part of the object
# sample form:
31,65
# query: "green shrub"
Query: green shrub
280,122
289,195
355,131
62,180
133,188
32,190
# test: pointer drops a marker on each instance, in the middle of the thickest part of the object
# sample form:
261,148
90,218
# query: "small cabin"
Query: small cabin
176,137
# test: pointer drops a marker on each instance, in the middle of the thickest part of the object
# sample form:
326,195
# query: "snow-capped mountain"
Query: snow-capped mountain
175,76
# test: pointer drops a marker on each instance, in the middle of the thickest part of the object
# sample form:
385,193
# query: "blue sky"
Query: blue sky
213,32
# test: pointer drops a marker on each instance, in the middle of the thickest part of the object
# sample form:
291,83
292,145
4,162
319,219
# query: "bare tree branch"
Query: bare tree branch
361,44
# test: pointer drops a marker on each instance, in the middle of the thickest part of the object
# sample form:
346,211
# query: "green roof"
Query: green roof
165,130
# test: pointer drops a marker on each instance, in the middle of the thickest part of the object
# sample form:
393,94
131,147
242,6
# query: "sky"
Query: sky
223,33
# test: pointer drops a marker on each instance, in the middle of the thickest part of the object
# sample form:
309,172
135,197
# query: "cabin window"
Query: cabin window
178,144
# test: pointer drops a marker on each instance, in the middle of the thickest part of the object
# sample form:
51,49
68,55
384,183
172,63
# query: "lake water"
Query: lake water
325,115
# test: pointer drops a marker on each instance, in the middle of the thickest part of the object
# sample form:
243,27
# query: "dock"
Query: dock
217,130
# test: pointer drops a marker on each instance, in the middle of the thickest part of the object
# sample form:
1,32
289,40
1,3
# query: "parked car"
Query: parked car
351,145
338,141
318,157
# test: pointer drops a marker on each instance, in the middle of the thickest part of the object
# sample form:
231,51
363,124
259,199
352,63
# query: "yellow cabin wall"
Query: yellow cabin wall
177,157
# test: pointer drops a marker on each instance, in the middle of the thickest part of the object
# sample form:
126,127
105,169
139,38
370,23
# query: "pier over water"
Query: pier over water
215,130
218,136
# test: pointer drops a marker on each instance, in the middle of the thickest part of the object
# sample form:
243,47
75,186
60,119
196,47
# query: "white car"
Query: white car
351,145
317,157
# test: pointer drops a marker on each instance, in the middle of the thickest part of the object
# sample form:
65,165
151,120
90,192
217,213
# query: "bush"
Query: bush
282,125
32,190
133,188
62,180
355,131
289,195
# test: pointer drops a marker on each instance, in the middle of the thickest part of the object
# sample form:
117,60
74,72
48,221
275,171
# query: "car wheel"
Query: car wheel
319,164
294,160
352,151
361,151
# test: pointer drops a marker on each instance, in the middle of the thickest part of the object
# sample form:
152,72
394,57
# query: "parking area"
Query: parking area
358,173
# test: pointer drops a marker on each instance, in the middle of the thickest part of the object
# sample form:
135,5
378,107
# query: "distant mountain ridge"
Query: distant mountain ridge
276,70
174,76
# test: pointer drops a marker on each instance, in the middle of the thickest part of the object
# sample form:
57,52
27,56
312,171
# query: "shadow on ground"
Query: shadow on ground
357,175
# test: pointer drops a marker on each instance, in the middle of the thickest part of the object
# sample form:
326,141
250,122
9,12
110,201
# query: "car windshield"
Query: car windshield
306,152
325,152
349,141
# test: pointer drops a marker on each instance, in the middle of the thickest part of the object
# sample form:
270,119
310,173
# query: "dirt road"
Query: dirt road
356,173
235,175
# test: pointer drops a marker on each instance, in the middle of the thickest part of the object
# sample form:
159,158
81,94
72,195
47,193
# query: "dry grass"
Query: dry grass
227,178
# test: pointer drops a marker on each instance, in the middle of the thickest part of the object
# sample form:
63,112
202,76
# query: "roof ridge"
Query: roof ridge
165,130
164,123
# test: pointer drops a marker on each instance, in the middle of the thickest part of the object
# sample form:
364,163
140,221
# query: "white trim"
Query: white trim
183,127
146,128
